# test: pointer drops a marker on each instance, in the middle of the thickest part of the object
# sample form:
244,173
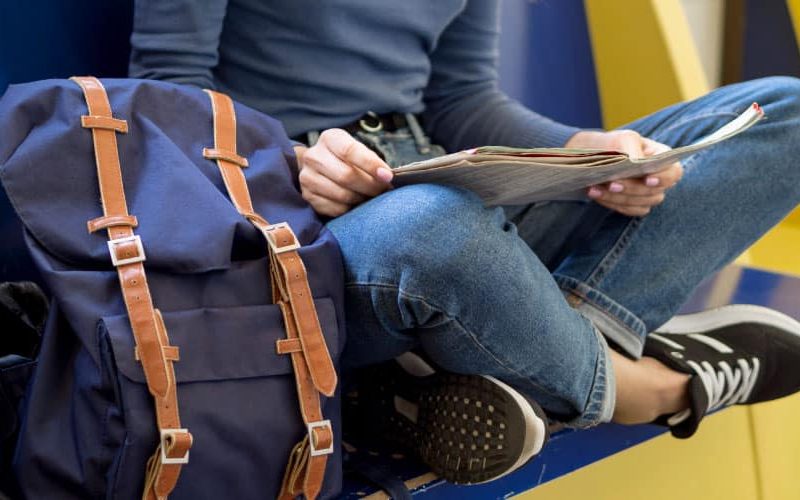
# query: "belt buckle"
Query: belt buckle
371,128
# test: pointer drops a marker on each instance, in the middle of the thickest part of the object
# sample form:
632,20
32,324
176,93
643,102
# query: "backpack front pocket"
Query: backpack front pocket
236,396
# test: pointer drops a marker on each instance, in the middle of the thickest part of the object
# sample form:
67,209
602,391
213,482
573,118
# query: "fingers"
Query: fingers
652,148
630,143
314,182
635,196
324,206
325,163
646,186
623,199
629,210
666,178
339,173
356,154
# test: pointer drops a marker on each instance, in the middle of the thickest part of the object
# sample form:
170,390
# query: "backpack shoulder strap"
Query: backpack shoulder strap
313,367
127,254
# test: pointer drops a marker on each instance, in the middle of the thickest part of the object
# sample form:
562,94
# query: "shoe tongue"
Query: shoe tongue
684,424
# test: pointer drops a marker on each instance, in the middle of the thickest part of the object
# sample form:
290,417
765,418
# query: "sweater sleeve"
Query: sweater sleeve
463,106
176,40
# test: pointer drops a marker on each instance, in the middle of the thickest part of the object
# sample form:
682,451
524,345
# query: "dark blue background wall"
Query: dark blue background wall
546,60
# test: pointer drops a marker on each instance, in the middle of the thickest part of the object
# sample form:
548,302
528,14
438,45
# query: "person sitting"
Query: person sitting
559,310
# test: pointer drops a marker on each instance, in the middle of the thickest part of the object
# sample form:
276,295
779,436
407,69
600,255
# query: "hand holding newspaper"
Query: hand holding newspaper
509,176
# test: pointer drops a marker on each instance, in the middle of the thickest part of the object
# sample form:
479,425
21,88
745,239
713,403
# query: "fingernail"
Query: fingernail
652,181
595,192
385,174
616,187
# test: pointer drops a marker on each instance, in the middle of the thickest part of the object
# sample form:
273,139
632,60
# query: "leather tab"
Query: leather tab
223,154
105,222
287,346
104,122
171,353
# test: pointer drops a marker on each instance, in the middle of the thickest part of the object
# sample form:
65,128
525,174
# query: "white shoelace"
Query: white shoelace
726,385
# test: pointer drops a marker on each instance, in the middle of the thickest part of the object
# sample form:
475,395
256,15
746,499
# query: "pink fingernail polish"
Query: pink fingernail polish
616,187
594,192
385,174
652,181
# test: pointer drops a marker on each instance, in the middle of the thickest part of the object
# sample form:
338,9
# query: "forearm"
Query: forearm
489,117
176,40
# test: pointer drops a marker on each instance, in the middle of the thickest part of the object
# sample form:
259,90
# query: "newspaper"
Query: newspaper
512,176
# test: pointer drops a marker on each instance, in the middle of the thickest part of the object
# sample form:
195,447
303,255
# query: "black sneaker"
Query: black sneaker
469,429
739,354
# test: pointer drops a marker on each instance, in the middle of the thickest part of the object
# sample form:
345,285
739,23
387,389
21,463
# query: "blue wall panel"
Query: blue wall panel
546,60
770,45
46,38
55,39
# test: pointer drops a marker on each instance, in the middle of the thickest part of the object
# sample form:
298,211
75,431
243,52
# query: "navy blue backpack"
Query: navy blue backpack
191,345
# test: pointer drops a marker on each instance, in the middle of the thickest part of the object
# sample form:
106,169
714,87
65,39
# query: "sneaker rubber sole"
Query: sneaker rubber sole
721,317
469,429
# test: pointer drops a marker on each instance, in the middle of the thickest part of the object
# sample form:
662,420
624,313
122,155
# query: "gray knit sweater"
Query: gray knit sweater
316,64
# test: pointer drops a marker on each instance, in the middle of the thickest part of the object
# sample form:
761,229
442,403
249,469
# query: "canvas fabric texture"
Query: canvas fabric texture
88,425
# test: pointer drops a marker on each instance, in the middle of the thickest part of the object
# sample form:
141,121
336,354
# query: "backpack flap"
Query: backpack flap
47,166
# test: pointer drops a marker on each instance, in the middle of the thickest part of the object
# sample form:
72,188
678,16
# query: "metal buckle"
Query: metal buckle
271,238
120,262
165,433
371,128
321,424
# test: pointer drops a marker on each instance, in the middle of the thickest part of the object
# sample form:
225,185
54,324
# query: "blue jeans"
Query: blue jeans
513,293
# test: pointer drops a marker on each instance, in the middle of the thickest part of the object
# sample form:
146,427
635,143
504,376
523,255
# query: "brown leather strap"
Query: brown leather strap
306,473
311,360
127,255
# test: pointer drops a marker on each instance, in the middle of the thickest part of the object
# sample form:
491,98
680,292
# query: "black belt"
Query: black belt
369,122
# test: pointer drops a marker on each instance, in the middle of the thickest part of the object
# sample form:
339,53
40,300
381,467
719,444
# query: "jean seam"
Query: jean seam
712,114
623,322
611,257
585,298
595,405
470,334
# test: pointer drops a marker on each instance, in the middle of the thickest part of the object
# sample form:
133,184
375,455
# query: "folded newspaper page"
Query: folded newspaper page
512,176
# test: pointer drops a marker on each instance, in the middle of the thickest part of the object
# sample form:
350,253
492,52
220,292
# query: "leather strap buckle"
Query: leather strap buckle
269,231
136,240
322,424
165,435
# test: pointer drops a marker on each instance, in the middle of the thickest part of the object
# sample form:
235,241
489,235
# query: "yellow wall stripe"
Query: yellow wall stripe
645,57
794,10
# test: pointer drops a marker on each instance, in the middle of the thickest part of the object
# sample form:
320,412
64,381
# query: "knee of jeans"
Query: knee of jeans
420,200
447,232
427,230
779,95
780,98
430,210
